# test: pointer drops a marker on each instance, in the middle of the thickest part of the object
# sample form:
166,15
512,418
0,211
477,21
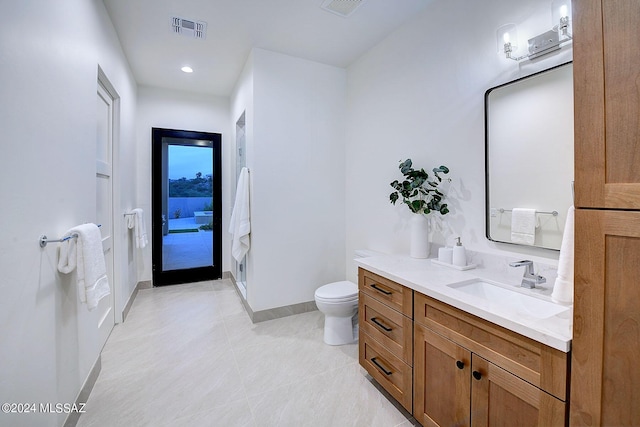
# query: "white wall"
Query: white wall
49,57
295,152
419,94
172,109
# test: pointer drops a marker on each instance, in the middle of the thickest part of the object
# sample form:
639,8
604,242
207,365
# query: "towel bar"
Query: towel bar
44,239
554,213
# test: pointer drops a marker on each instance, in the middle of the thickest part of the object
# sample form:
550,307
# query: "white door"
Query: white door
105,312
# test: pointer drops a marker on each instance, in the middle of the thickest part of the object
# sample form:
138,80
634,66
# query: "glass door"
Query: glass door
186,206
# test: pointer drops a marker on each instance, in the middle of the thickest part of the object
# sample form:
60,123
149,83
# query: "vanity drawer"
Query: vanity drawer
536,363
389,371
390,293
389,327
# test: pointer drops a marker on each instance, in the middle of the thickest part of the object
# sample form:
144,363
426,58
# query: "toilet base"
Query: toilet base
340,330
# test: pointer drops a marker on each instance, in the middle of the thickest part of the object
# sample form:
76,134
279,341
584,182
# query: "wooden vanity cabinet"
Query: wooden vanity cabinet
385,317
469,372
450,368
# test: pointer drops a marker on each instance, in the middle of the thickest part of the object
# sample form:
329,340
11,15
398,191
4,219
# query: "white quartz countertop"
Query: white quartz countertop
432,280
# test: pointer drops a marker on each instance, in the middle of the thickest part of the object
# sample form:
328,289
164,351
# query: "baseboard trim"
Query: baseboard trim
129,303
284,311
145,284
141,285
272,313
85,391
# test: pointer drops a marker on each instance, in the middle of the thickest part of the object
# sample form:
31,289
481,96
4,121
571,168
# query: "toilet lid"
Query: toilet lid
344,290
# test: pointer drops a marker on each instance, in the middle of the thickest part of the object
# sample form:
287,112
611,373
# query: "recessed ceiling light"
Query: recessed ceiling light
187,69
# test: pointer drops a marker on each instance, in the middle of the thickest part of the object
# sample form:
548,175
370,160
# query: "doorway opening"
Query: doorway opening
186,197
107,129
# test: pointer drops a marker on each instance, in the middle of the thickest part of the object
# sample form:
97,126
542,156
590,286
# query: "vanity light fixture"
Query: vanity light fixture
187,69
547,42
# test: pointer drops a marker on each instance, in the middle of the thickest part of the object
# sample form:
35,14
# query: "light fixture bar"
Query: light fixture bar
542,44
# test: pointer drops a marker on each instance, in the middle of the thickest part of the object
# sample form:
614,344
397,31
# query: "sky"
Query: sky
186,161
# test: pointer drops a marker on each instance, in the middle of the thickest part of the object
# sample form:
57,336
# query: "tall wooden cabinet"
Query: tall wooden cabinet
605,378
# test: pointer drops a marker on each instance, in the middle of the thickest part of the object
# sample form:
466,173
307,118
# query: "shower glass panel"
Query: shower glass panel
241,161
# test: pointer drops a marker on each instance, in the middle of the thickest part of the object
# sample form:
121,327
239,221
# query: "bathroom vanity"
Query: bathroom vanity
453,351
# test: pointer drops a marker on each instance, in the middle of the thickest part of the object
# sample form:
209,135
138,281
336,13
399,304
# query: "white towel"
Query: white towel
240,225
523,226
136,222
85,255
563,287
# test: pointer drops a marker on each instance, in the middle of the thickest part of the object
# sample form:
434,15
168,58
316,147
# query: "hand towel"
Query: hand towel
563,287
240,224
140,228
523,226
85,255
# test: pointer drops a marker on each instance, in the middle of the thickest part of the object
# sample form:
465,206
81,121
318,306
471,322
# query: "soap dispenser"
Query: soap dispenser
459,254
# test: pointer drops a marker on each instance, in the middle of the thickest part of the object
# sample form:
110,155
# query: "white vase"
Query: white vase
420,246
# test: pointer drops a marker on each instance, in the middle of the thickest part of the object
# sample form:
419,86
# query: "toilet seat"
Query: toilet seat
337,292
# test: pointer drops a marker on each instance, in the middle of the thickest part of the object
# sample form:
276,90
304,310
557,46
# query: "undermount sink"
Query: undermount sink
512,300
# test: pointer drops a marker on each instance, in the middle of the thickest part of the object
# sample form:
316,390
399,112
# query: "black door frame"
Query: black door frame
171,277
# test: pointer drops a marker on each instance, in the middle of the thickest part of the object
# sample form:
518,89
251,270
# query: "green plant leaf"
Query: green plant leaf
416,191
405,167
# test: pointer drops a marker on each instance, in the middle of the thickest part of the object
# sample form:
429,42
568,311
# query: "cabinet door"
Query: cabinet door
607,103
499,398
442,388
605,379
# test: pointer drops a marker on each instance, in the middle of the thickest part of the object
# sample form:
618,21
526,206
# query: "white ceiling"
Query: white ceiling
294,27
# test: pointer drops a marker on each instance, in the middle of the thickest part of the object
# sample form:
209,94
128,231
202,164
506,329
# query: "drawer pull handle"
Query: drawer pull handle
379,289
382,368
477,375
460,364
380,324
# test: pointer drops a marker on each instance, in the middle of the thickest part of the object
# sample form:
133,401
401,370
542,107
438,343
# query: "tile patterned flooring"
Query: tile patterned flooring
188,355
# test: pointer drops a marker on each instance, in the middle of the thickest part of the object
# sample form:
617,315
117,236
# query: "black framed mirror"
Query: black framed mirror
529,158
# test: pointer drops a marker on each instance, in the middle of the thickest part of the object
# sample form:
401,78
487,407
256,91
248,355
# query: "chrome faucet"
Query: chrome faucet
530,278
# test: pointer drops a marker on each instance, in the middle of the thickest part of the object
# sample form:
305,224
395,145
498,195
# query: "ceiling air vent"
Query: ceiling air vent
189,28
343,8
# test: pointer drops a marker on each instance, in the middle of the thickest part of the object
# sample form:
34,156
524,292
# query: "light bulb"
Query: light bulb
507,35
187,69
560,15
564,10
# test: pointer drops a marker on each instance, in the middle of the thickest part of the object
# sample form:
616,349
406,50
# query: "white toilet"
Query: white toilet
339,303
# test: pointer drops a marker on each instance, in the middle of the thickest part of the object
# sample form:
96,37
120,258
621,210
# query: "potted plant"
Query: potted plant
423,197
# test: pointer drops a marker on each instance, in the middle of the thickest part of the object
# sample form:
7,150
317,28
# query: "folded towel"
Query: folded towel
523,226
240,224
85,255
136,222
563,287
